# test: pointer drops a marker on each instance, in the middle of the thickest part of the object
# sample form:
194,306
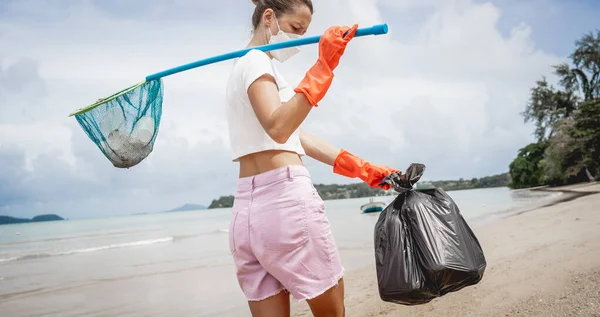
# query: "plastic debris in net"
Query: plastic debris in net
424,248
125,126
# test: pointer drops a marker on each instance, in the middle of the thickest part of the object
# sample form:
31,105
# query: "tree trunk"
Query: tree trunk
589,175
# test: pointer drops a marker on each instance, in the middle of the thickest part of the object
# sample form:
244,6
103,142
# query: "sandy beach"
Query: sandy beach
541,262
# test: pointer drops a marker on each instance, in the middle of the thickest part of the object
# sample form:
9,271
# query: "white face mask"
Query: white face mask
283,54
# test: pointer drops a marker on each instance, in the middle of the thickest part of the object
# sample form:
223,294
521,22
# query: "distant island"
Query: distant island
187,207
7,220
360,190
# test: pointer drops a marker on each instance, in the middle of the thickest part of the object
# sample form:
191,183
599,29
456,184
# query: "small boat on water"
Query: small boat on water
372,206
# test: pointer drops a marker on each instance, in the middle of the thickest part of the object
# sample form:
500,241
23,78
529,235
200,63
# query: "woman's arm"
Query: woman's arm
281,120
278,119
318,148
345,163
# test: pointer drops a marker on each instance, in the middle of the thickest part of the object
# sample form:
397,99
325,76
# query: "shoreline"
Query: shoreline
562,194
567,193
542,260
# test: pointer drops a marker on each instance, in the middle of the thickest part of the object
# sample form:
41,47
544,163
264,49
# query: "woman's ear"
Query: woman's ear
268,17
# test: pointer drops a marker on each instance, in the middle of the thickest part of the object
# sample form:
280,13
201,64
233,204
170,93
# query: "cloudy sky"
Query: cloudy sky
445,88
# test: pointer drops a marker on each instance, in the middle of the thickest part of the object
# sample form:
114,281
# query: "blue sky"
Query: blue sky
555,24
445,88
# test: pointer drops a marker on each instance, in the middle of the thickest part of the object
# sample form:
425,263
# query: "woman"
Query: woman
279,236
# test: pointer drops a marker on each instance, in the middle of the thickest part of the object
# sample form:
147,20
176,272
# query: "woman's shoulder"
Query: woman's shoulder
248,61
255,55
248,68
254,59
252,65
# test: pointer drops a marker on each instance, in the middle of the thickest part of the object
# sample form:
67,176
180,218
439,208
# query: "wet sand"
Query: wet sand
541,262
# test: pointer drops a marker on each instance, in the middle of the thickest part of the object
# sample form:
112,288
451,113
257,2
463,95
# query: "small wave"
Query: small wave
86,236
86,250
3,260
201,234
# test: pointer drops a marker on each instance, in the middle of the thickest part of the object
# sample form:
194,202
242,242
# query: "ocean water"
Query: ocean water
171,264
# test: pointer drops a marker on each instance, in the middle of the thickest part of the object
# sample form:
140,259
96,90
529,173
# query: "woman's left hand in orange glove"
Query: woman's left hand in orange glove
349,165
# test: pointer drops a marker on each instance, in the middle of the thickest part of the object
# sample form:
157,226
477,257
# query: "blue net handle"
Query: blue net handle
377,29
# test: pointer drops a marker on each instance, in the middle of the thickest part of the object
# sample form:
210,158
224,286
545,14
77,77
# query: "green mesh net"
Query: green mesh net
124,126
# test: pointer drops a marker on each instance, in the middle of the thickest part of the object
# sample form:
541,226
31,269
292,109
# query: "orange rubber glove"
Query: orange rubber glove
318,79
332,44
349,165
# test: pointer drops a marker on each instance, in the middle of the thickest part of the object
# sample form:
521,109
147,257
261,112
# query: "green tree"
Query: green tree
546,107
525,170
567,122
586,132
573,153
222,202
561,154
584,76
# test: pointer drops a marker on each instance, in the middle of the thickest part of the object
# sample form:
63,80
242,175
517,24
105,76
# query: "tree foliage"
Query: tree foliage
499,180
567,121
222,202
526,170
547,106
361,189
356,190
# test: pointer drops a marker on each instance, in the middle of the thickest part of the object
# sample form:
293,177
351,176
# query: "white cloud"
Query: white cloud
449,98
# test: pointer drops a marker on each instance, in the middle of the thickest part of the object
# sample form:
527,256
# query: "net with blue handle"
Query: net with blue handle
124,126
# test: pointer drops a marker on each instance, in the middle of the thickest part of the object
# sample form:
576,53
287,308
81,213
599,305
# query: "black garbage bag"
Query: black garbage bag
424,248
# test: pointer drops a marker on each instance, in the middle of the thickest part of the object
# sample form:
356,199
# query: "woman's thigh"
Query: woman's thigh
275,306
330,303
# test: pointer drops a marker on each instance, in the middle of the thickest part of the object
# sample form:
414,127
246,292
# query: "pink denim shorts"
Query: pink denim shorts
280,237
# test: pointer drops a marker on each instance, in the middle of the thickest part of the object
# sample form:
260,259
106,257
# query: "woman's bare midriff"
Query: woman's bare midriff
257,163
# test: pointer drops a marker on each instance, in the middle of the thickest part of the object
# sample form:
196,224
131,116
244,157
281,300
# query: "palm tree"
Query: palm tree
584,78
585,75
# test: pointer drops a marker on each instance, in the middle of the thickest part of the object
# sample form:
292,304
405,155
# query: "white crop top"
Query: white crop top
246,134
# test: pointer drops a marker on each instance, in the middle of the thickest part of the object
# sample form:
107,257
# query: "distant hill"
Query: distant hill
361,189
6,220
188,207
